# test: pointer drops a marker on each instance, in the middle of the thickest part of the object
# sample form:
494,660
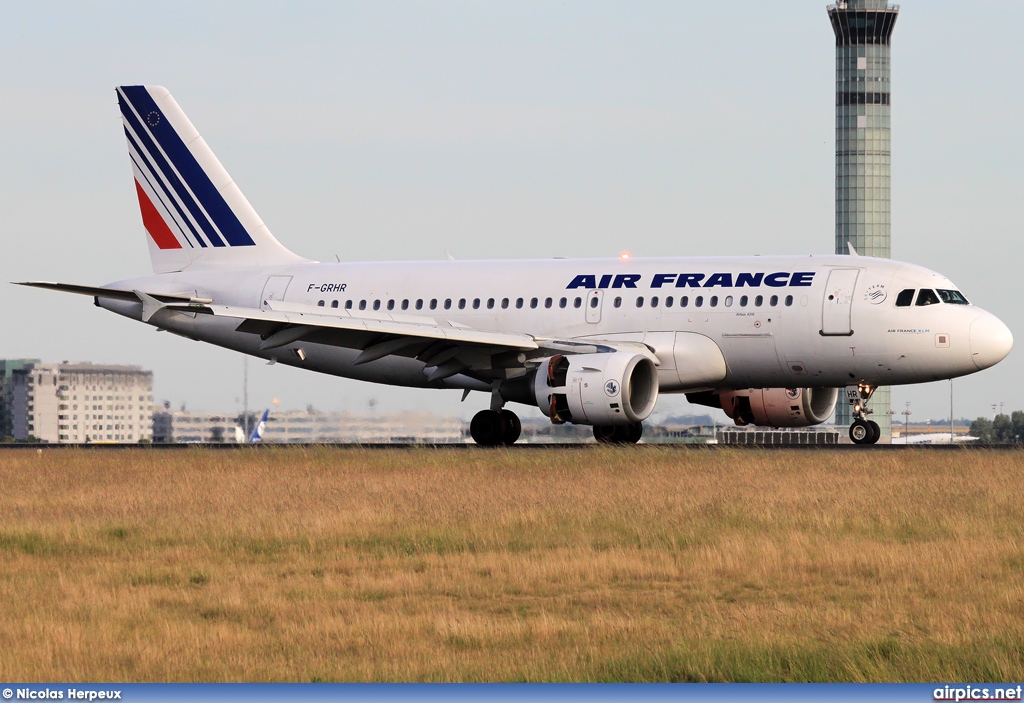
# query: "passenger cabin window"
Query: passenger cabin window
476,303
462,303
668,302
334,303
490,303
320,304
405,304
533,302
714,301
684,301
593,302
927,297
640,301
654,302
362,304
577,302
391,305
562,302
433,303
376,305
698,301
618,302
348,304
743,301
905,298
759,301
789,301
519,302
504,303
447,303
773,301
728,301
548,302
419,304
952,296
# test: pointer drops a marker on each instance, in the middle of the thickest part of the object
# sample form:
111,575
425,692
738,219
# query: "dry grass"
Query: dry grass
598,564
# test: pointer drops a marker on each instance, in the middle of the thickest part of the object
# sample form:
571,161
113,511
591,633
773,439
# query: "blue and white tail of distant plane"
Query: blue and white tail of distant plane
193,212
261,426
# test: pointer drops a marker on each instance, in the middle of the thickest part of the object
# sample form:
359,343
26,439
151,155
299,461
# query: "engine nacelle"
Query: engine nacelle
780,407
616,388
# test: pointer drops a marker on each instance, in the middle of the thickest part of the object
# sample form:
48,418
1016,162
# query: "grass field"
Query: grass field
600,564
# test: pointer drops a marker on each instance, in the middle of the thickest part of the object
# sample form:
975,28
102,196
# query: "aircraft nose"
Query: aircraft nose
990,339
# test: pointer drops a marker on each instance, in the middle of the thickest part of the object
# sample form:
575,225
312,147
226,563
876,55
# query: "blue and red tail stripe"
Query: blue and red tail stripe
162,152
154,222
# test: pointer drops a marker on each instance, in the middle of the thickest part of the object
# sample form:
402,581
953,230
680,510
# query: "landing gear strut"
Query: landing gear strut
618,434
491,428
862,431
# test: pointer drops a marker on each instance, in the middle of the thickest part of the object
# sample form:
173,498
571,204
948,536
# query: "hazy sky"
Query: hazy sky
381,130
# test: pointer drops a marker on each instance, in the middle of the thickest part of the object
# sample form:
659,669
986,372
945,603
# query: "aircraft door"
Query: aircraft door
274,289
838,302
595,301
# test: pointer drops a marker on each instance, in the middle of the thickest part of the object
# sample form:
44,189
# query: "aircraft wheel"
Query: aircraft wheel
608,434
876,432
618,434
487,428
513,428
860,432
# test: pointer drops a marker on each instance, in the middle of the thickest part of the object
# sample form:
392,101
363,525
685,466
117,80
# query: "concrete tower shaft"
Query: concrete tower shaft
863,99
863,31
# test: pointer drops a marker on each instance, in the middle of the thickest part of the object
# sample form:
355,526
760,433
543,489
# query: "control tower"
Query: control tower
863,30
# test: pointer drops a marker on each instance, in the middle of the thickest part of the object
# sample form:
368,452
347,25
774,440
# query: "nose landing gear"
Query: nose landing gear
862,431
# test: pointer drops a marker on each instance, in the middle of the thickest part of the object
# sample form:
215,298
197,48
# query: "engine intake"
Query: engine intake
774,407
617,388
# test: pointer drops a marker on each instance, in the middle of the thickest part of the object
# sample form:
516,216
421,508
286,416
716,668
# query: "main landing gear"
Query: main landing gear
492,428
862,431
618,434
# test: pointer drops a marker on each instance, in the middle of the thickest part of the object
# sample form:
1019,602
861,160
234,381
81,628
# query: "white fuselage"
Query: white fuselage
808,321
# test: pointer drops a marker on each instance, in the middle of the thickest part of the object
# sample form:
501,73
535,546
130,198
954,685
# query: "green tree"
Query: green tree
1017,418
1002,429
982,429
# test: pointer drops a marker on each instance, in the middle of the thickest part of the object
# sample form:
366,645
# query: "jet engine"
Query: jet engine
610,388
773,407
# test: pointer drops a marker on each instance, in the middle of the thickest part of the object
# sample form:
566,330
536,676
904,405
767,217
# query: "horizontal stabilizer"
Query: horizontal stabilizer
97,292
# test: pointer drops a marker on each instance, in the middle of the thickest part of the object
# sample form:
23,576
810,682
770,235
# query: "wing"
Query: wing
448,347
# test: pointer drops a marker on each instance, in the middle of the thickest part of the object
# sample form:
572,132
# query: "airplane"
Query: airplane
774,341
257,432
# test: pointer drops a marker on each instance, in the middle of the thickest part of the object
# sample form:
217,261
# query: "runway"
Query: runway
553,446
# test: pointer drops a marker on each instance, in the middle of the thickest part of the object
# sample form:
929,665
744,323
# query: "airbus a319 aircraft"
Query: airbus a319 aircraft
772,341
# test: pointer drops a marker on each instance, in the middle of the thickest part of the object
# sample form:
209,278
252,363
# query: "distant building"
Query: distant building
294,427
186,427
7,368
81,402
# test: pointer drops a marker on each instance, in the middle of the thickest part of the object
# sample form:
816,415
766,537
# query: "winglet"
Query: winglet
853,252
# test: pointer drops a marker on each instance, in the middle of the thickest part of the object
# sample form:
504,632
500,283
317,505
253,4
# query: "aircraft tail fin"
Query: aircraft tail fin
192,210
261,426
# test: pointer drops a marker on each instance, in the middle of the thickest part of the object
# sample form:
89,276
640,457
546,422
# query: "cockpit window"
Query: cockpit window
927,297
952,296
905,298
